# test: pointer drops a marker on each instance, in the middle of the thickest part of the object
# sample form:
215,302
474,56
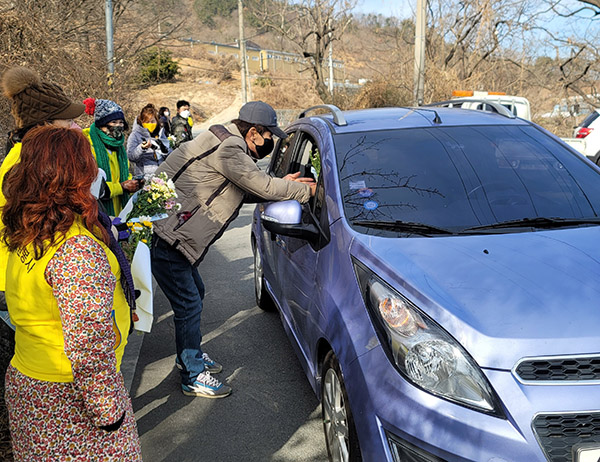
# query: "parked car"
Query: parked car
442,289
518,105
589,130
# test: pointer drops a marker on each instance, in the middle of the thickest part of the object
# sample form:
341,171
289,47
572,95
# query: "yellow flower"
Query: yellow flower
146,223
145,241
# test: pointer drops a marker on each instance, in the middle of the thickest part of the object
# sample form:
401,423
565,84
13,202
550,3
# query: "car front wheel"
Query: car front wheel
263,300
338,424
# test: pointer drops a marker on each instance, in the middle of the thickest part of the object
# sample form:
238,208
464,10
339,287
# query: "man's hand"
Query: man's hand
298,179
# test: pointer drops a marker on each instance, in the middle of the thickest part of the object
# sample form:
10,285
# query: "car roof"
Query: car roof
398,118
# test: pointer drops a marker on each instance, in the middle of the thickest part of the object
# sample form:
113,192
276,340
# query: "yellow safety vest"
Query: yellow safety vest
13,157
33,309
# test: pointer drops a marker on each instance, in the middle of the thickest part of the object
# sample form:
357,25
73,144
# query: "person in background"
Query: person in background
164,120
64,392
213,174
34,102
107,138
180,124
147,146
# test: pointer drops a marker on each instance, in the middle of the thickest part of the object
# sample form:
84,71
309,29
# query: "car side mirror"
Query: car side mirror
285,218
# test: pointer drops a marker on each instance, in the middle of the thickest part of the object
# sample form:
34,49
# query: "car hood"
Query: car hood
502,296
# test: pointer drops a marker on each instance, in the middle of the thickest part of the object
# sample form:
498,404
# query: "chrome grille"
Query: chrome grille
557,433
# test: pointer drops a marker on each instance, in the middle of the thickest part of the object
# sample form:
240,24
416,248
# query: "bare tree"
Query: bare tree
309,26
64,41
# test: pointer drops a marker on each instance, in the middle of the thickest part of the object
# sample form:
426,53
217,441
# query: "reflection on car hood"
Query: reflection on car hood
503,296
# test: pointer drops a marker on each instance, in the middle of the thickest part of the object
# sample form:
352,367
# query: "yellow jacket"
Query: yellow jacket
13,157
33,309
114,185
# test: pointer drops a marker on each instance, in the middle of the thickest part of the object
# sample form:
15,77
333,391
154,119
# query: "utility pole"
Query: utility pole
419,76
242,43
330,60
109,42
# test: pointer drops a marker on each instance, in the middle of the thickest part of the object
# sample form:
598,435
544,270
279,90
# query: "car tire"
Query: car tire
263,299
338,423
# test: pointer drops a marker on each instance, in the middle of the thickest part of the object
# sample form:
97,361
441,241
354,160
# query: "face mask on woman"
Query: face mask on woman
116,131
166,113
150,126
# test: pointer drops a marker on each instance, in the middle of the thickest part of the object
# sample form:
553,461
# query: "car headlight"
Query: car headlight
421,350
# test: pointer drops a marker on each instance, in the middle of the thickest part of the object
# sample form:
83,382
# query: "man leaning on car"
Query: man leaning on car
212,174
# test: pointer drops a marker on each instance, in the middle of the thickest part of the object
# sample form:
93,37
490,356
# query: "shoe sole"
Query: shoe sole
197,394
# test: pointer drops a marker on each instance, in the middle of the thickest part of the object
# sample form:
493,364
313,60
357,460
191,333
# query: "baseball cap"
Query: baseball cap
260,113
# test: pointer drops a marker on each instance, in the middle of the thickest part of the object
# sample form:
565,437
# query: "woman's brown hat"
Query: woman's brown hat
34,101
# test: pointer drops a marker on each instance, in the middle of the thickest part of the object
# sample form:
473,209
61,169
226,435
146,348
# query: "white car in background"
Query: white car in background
589,131
517,105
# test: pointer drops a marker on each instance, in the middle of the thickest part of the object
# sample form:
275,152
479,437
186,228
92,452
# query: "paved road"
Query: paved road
272,414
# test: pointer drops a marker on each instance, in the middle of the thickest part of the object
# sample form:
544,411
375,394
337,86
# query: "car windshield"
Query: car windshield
461,177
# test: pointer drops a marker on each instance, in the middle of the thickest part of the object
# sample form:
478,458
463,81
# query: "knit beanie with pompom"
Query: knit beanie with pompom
35,101
103,110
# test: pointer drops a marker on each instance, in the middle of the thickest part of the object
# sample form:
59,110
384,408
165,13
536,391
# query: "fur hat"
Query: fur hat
103,110
35,101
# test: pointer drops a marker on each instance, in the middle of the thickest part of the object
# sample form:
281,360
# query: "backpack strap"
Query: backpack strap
221,133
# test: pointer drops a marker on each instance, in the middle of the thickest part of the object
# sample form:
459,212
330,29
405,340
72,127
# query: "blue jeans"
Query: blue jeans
184,288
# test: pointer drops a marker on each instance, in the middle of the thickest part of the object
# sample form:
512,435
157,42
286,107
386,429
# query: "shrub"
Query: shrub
382,92
157,66
263,82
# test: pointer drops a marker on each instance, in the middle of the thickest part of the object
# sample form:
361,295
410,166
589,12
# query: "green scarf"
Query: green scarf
101,142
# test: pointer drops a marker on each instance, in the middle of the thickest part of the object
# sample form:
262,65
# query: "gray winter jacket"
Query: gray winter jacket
211,178
145,161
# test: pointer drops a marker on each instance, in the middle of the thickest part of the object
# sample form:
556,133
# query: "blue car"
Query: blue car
442,288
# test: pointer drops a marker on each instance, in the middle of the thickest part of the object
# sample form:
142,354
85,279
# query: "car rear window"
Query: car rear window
589,119
463,176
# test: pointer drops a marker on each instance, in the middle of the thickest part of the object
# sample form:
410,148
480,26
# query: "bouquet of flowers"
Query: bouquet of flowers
139,231
155,198
172,141
147,205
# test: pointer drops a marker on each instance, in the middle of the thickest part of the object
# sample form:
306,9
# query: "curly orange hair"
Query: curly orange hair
49,188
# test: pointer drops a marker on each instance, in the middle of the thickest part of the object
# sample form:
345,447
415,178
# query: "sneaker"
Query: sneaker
206,386
209,365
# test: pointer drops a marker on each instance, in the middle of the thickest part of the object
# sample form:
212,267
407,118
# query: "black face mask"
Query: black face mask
265,149
116,131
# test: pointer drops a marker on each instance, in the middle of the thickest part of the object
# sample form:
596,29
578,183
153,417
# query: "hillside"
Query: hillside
215,99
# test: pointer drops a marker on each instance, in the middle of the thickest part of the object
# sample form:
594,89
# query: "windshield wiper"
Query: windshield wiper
537,222
420,228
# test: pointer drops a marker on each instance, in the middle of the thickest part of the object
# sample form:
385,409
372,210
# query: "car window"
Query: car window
589,119
283,156
308,159
460,177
